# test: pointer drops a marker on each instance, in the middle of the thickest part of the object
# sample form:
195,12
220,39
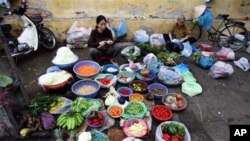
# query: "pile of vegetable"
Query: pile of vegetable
168,58
137,87
85,90
64,56
70,120
135,128
125,78
174,102
105,81
173,132
133,108
148,48
136,98
124,91
30,124
48,121
86,70
54,78
95,118
161,113
115,111
56,104
158,91
80,104
41,104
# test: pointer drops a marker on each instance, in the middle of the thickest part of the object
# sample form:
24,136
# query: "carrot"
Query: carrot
86,70
115,111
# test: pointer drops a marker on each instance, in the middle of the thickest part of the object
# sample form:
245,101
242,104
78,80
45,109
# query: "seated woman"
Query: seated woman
101,42
180,32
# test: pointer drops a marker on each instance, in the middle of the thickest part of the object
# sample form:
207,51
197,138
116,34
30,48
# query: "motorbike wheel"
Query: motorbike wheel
47,38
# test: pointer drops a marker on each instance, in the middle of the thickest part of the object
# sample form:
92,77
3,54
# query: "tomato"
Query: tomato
178,97
180,104
105,81
166,137
176,138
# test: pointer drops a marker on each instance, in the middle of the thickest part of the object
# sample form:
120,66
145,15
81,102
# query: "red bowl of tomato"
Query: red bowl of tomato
161,113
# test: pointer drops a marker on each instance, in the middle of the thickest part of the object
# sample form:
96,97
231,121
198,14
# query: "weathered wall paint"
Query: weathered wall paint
158,15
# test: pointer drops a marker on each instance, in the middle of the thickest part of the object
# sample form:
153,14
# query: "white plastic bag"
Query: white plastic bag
141,36
221,69
77,34
121,30
187,50
225,54
148,58
157,39
132,52
243,64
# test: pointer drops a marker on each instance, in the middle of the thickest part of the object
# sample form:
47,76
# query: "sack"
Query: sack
205,47
141,36
187,50
243,64
132,52
169,76
121,30
205,62
221,69
148,58
154,66
157,39
225,54
191,88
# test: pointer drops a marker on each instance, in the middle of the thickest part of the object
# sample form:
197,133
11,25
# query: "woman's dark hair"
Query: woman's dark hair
100,18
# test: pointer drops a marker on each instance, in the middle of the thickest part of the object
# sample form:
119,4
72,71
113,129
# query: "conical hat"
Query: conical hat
198,11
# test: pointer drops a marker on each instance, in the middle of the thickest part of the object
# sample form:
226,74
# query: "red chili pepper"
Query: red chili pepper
124,92
105,81
166,137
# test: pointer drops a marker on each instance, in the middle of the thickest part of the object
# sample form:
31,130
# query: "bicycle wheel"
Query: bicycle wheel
233,36
47,38
196,31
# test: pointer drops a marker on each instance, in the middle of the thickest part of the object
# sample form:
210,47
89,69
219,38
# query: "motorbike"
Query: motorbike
33,34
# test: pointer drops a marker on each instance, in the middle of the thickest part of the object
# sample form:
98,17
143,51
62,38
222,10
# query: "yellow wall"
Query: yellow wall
60,14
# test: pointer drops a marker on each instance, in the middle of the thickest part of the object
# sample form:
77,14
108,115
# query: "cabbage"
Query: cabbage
54,78
47,120
5,81
64,56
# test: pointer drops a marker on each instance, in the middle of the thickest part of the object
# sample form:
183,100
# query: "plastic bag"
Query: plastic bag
187,50
5,3
78,34
181,68
141,36
205,62
169,76
225,54
176,47
243,64
132,52
121,30
221,69
157,39
148,58
111,77
191,88
188,77
109,26
154,66
205,47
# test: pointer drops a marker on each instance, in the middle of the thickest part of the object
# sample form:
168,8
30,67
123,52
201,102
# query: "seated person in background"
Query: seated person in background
101,42
180,32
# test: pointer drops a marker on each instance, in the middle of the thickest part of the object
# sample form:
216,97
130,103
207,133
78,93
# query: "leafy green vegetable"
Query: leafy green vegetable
133,108
80,105
168,58
41,104
5,81
147,48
